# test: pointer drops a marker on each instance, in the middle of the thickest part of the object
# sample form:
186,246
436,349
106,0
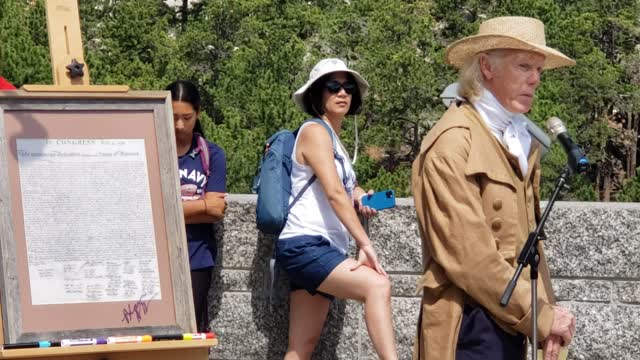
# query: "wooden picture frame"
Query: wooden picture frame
74,262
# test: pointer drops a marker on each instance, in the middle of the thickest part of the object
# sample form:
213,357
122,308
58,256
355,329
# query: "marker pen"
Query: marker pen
30,345
128,339
81,342
198,336
167,337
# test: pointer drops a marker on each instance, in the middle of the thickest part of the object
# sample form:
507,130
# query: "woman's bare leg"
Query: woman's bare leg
307,315
374,290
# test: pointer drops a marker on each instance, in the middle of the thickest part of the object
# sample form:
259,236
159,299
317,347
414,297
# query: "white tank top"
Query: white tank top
312,214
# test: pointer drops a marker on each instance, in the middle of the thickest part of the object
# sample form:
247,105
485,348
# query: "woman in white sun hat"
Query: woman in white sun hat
476,189
312,247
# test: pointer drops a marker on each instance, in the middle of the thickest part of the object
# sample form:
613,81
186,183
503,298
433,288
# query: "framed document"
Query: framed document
92,236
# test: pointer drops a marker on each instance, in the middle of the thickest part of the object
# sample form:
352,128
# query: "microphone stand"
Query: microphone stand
529,256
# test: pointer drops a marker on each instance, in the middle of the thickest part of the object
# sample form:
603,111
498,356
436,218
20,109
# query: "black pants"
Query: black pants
200,284
480,338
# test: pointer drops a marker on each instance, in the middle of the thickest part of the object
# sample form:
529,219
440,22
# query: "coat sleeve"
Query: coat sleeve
461,241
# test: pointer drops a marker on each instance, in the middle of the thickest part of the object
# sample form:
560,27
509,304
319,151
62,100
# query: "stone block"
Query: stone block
582,290
627,292
605,332
594,240
243,246
404,285
396,238
235,281
341,339
405,320
247,328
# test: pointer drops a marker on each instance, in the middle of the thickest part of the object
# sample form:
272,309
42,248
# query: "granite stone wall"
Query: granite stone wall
593,250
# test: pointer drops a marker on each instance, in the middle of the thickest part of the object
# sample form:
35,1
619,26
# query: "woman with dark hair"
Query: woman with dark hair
312,247
203,174
313,100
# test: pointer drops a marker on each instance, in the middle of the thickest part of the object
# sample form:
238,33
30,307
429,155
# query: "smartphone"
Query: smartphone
380,200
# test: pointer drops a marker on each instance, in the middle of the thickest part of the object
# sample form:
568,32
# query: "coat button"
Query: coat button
496,225
497,204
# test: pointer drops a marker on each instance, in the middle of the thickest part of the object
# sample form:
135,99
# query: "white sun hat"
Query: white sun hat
508,32
324,67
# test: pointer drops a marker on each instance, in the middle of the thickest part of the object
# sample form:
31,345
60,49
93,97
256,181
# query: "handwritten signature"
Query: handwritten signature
140,308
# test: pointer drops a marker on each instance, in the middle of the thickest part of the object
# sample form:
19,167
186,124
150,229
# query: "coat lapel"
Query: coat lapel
482,159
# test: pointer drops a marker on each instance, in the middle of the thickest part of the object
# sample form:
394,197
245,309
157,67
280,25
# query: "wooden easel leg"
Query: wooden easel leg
65,41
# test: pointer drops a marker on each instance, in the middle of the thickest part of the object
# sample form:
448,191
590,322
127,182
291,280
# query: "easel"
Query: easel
70,75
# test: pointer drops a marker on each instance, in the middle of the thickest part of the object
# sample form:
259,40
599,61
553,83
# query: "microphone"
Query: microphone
578,162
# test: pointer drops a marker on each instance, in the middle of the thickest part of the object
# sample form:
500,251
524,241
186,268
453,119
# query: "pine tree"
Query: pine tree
24,53
129,43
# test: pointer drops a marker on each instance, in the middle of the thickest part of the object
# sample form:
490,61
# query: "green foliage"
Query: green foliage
257,54
391,180
132,45
248,56
24,53
631,190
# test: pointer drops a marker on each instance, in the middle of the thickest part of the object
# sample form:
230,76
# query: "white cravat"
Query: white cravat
506,126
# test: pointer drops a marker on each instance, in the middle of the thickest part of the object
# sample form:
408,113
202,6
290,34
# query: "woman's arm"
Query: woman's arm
208,210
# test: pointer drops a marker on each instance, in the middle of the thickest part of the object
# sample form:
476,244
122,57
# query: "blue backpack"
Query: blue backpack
273,180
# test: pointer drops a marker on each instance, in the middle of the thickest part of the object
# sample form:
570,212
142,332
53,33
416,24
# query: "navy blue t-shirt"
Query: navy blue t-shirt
194,179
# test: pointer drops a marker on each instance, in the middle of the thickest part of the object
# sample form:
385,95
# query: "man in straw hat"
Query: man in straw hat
476,188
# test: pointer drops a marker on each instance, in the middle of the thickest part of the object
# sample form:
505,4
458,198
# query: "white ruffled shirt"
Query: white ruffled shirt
507,127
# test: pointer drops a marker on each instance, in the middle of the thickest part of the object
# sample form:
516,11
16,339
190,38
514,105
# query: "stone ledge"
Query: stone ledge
592,250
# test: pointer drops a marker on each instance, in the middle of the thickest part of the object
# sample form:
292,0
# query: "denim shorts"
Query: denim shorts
307,260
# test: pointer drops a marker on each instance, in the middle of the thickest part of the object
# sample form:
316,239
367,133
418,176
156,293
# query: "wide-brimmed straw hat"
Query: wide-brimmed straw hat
322,68
509,32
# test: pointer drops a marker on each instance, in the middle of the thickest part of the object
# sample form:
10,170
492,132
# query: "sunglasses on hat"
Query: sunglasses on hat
334,86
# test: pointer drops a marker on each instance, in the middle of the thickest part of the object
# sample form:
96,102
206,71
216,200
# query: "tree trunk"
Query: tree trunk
634,143
416,140
606,184
184,14
598,181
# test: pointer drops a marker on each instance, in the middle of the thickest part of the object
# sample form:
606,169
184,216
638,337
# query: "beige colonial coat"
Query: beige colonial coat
475,211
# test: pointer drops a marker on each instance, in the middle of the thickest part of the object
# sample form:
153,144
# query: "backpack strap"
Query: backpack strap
335,155
203,149
333,140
